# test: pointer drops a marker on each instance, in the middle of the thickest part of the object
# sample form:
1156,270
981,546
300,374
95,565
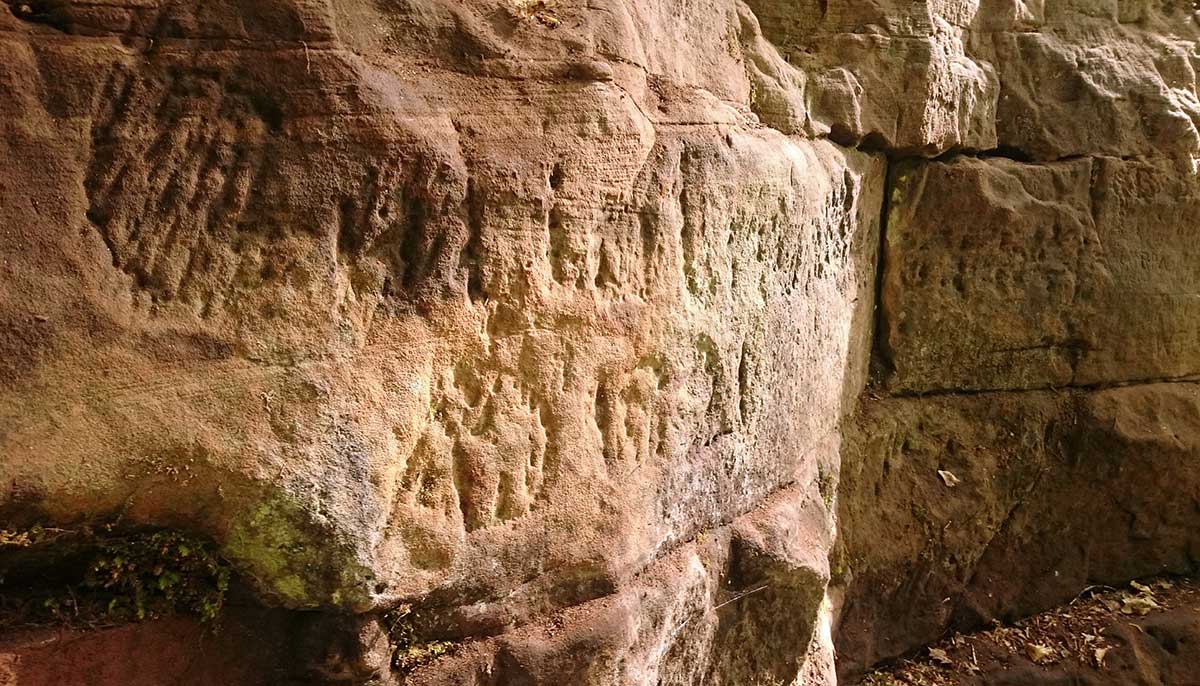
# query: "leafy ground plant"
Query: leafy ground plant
85,578
409,651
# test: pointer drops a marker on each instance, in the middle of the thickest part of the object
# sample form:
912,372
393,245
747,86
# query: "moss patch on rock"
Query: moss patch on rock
290,557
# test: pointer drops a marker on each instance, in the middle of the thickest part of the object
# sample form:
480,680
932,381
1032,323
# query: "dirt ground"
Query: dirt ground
1147,634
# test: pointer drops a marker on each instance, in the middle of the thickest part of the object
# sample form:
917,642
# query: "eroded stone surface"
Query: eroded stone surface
1005,275
249,650
740,604
1056,491
440,304
1046,79
543,318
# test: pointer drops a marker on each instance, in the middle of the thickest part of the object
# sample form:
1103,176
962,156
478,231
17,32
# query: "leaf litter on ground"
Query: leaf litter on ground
1072,632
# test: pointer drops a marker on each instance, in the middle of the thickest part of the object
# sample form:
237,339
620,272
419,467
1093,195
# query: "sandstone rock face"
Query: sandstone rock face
1057,491
1036,340
475,310
516,342
1044,79
1072,273
674,625
246,651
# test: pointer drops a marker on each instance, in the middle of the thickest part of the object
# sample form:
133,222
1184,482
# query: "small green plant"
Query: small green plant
157,574
409,651
84,578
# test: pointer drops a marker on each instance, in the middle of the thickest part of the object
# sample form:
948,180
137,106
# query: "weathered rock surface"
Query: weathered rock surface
1036,333
542,321
1003,275
1045,79
248,651
1056,491
739,605
457,306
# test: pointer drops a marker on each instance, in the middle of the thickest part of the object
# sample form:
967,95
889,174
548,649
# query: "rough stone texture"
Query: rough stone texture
1019,282
544,318
1058,491
1003,275
246,652
436,303
1044,79
739,605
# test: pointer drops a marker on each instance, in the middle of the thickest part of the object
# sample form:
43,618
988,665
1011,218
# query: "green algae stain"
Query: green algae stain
295,559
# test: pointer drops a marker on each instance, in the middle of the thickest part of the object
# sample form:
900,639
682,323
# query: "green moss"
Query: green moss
825,485
904,183
899,187
302,564
839,567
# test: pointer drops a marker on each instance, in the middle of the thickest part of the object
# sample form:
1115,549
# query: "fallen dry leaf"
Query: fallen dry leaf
948,478
1138,605
941,657
1141,587
540,10
1099,654
1039,653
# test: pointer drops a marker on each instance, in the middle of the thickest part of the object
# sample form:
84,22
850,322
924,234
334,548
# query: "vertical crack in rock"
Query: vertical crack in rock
881,357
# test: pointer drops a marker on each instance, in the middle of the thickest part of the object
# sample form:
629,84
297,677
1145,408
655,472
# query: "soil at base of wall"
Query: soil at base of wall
1147,634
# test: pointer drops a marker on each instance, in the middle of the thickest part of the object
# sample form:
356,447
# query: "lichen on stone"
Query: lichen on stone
289,556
